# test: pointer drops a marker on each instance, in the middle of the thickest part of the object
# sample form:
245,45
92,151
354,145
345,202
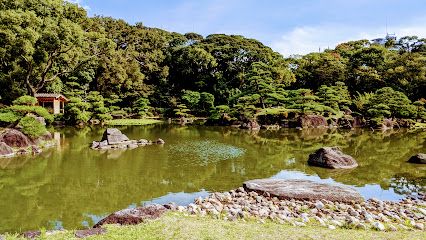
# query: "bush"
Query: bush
37,110
25,100
31,127
9,117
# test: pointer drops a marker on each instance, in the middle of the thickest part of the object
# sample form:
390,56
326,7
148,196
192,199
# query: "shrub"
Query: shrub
37,110
31,127
25,100
9,117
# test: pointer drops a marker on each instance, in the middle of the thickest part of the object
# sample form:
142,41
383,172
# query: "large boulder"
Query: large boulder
15,138
251,124
133,216
114,136
303,190
311,121
419,159
331,157
5,150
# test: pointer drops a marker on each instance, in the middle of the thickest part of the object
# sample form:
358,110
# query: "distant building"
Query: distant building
383,41
54,102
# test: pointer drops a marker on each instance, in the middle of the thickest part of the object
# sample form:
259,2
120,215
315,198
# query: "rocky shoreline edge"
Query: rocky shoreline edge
298,203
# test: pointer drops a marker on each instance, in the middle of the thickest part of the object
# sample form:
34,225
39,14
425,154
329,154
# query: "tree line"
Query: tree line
109,68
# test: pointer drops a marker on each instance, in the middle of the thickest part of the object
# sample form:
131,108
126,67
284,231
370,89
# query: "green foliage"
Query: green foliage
9,117
191,99
76,111
31,127
117,68
37,110
25,100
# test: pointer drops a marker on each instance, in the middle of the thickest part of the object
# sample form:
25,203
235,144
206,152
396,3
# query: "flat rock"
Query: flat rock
419,159
303,190
133,216
332,157
5,150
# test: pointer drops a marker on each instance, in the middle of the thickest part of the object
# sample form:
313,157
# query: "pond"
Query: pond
72,186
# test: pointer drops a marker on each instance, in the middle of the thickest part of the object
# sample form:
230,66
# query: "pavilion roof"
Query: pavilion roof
51,95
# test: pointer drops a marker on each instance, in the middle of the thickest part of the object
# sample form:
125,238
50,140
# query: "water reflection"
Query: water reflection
76,186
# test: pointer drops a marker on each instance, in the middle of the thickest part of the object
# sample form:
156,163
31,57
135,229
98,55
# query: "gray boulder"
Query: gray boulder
15,138
332,157
302,190
114,136
419,159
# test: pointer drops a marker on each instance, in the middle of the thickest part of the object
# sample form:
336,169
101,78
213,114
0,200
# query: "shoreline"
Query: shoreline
243,205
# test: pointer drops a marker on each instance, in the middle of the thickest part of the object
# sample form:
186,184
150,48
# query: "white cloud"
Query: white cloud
306,39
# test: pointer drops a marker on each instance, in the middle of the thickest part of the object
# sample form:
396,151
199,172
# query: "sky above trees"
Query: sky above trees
289,27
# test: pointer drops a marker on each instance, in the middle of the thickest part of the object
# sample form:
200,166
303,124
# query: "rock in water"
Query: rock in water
331,157
303,190
14,138
5,150
133,216
312,121
114,136
419,158
160,141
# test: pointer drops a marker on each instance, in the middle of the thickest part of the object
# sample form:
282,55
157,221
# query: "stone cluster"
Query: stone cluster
407,214
115,139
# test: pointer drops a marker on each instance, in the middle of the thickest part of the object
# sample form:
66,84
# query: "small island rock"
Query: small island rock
114,136
331,157
419,159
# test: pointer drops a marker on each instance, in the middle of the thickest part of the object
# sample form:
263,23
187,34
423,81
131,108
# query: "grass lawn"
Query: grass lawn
178,226
128,122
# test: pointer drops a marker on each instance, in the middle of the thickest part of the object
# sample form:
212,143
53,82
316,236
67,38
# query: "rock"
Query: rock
331,227
419,226
89,232
303,190
5,150
114,136
378,226
419,159
133,216
132,145
319,205
35,150
332,157
143,142
31,234
21,151
15,138
251,124
311,121
392,228
160,141
95,144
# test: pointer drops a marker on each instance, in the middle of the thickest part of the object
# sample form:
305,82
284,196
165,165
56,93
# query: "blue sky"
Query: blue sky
289,27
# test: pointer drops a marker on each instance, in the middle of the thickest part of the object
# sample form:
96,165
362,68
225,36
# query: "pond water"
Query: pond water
72,186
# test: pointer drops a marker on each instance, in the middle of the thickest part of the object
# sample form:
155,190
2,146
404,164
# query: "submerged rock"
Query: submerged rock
419,159
15,138
133,216
331,157
5,150
302,190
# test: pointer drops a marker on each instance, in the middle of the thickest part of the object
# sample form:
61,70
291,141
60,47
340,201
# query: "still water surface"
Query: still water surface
72,186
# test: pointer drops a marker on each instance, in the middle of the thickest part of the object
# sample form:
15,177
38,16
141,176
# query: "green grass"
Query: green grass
128,122
177,226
